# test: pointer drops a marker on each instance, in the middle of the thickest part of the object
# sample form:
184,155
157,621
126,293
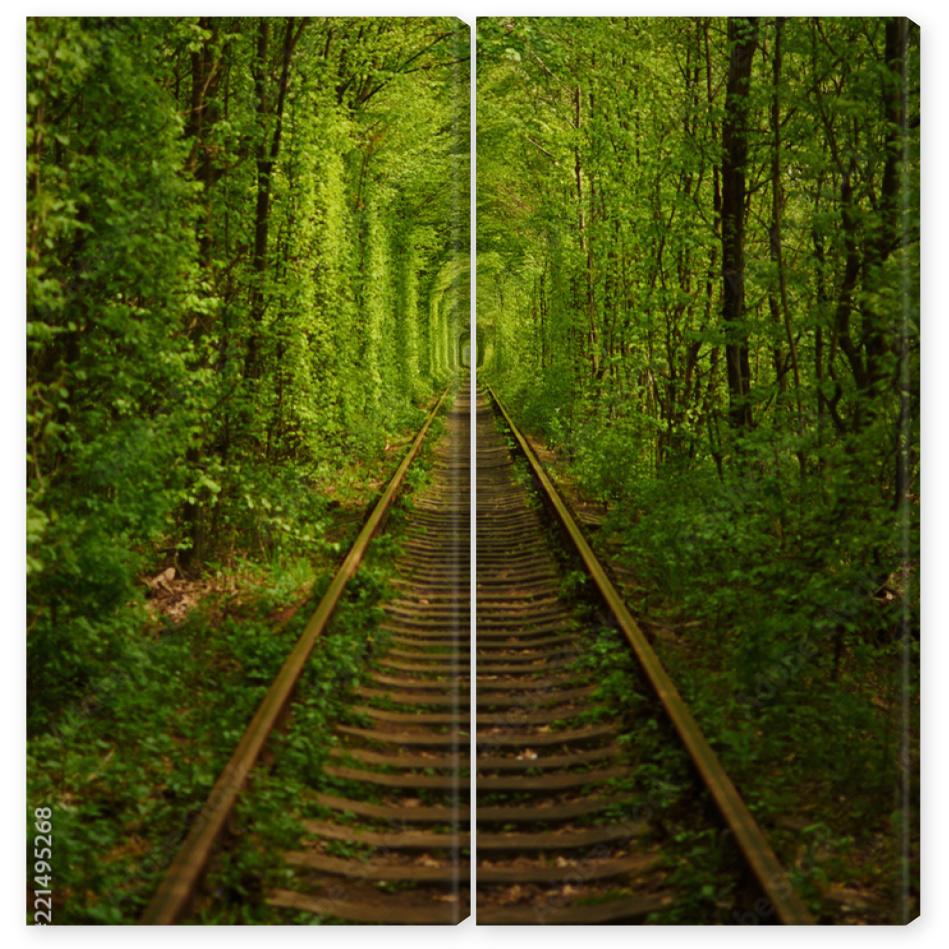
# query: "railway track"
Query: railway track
566,830
386,825
565,834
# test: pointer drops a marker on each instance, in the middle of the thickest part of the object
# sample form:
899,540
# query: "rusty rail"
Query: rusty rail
180,882
752,843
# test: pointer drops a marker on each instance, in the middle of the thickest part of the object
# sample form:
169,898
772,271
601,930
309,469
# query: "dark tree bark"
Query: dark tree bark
267,154
742,39
874,336
893,232
778,294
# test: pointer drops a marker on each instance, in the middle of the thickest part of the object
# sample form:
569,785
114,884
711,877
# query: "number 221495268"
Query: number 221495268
42,868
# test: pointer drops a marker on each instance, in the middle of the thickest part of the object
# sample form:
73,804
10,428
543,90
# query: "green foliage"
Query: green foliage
777,518
234,231
113,389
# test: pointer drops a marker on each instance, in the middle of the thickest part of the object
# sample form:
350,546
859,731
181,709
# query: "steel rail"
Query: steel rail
752,843
178,886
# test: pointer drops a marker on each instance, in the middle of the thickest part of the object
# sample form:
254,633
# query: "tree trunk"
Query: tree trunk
778,296
742,39
266,160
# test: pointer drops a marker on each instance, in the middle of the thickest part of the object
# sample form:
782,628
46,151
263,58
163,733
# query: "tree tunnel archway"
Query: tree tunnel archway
464,348
449,314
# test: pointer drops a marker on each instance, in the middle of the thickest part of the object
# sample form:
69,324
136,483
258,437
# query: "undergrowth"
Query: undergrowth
791,652
127,765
